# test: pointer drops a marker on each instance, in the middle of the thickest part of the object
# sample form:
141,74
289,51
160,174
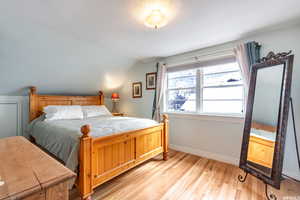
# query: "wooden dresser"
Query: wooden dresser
261,151
28,173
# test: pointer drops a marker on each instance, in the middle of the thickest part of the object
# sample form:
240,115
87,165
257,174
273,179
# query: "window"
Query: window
213,88
182,91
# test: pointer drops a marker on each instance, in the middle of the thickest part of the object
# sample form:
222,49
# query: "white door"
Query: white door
8,119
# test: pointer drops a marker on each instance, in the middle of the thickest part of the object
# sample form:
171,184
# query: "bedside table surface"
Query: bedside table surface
117,114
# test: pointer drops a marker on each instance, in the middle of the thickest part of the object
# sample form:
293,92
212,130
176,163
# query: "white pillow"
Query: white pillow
95,111
63,112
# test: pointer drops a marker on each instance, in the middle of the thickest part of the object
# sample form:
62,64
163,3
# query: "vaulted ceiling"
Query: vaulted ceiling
81,46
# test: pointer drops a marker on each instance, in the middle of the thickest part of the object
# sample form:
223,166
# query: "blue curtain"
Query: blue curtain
253,52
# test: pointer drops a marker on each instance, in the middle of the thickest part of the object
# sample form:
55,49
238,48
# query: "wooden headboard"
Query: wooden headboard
264,127
38,102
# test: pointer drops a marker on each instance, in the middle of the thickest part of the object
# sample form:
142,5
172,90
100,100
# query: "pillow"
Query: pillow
95,111
63,112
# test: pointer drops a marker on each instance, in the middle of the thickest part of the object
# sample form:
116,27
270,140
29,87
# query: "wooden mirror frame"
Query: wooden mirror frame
270,60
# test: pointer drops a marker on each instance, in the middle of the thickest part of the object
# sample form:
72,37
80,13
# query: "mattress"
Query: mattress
266,135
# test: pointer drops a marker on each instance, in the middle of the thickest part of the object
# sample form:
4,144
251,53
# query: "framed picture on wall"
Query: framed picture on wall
137,90
151,81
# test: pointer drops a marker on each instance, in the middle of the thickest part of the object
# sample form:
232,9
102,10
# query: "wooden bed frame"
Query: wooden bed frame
101,159
264,127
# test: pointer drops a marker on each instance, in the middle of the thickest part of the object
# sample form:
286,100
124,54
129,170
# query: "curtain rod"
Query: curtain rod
197,58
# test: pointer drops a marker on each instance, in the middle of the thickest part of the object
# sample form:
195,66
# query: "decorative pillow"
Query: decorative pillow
95,111
63,112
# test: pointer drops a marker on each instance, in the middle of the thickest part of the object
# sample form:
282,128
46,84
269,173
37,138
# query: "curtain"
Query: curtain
160,88
253,51
247,54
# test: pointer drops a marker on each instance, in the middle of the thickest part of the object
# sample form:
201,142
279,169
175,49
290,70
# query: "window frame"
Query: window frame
176,89
199,87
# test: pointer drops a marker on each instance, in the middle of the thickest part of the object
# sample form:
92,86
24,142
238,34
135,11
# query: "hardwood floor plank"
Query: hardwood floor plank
183,184
130,184
187,177
166,177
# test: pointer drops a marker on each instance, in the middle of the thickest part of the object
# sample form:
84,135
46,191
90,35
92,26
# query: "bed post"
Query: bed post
101,95
166,136
85,164
32,103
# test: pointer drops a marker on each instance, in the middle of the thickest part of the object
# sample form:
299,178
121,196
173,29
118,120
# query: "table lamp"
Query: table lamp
115,98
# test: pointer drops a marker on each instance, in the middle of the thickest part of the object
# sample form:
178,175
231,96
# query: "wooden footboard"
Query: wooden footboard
101,159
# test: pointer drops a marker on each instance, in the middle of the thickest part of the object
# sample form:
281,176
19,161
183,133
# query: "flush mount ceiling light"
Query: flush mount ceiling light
155,19
154,13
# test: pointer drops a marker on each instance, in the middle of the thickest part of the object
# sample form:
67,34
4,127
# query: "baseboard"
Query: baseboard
294,175
221,158
206,154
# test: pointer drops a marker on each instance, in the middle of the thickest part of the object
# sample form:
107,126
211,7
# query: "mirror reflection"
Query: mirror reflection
264,122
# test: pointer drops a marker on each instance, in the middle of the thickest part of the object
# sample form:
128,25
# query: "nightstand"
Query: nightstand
118,114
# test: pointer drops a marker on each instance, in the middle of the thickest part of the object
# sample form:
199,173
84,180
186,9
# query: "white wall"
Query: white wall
216,137
10,116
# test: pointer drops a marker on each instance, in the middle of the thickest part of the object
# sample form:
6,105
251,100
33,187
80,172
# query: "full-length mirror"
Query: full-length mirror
266,118
264,122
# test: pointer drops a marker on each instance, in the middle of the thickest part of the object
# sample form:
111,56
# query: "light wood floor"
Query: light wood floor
187,177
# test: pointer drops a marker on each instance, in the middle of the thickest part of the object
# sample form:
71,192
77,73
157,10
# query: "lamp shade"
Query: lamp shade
155,19
115,96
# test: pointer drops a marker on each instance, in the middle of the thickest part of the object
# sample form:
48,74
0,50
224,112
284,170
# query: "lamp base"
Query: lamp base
114,108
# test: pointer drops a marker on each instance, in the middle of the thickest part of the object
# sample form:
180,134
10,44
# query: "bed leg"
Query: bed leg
87,198
85,164
165,156
32,139
165,136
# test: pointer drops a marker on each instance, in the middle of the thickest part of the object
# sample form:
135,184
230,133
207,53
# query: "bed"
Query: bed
100,157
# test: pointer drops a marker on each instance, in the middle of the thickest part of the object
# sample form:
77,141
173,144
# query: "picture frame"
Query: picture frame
137,90
151,81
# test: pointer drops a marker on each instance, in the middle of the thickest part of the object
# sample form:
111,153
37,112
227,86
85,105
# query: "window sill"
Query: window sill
232,118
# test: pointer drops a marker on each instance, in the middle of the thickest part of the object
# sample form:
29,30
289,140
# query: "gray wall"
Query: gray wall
141,107
217,137
39,47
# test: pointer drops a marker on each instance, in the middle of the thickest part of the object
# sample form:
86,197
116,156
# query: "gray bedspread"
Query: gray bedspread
61,137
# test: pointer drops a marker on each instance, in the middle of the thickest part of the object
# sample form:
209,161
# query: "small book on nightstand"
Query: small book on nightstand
118,114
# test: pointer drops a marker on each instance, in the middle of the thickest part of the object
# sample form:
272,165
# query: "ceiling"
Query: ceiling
80,46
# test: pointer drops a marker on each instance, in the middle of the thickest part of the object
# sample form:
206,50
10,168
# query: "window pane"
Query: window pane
182,79
191,72
223,93
221,68
229,78
222,106
182,100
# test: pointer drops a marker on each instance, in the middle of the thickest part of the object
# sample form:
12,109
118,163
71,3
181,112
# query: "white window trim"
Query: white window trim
199,112
232,118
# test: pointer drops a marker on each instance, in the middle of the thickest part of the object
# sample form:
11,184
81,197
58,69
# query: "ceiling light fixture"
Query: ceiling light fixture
155,19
